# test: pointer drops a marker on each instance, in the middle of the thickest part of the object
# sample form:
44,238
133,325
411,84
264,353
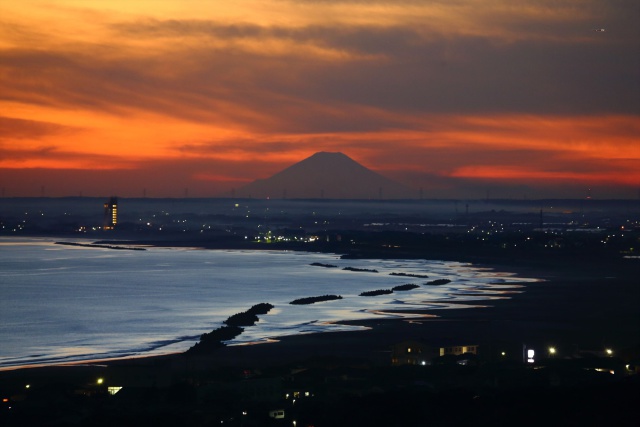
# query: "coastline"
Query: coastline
579,308
201,325
577,304
566,313
352,372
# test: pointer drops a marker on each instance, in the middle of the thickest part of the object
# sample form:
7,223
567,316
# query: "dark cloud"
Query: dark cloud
160,178
401,93
384,68
12,128
240,146
53,153
475,75
362,39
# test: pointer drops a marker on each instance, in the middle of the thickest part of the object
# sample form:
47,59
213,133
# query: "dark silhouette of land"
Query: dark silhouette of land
326,175
586,309
406,287
438,282
233,326
313,300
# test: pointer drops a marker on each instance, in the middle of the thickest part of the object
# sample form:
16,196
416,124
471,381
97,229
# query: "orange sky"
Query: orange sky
174,98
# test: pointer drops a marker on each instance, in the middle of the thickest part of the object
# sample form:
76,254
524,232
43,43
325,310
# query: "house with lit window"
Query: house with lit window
419,353
458,350
411,353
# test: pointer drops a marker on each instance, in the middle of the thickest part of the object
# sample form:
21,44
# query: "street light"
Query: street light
552,351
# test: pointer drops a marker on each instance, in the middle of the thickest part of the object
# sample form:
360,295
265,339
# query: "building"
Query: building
458,350
412,353
418,353
111,214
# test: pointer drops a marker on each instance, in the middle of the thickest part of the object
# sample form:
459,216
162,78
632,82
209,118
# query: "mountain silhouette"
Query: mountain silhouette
326,176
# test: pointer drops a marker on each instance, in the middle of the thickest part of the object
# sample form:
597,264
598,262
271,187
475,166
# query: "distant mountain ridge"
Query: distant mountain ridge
326,175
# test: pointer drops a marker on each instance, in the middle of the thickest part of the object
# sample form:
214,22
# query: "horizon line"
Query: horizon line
502,199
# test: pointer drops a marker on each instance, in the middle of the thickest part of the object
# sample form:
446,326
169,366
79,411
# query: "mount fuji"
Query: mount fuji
326,176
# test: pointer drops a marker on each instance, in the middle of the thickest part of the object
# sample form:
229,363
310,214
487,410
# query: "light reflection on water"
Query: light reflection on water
63,303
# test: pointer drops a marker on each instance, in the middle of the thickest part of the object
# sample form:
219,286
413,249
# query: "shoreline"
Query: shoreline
530,318
516,318
525,317
413,313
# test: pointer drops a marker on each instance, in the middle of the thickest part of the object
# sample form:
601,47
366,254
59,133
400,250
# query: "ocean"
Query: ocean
62,303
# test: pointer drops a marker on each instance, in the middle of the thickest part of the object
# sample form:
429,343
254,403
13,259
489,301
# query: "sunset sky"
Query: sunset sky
459,98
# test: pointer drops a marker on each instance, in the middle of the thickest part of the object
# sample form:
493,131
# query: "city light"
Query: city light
113,390
530,354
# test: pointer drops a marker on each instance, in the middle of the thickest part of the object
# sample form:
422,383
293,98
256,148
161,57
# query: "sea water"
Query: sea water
62,303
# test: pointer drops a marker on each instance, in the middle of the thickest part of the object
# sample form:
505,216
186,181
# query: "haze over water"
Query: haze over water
62,303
